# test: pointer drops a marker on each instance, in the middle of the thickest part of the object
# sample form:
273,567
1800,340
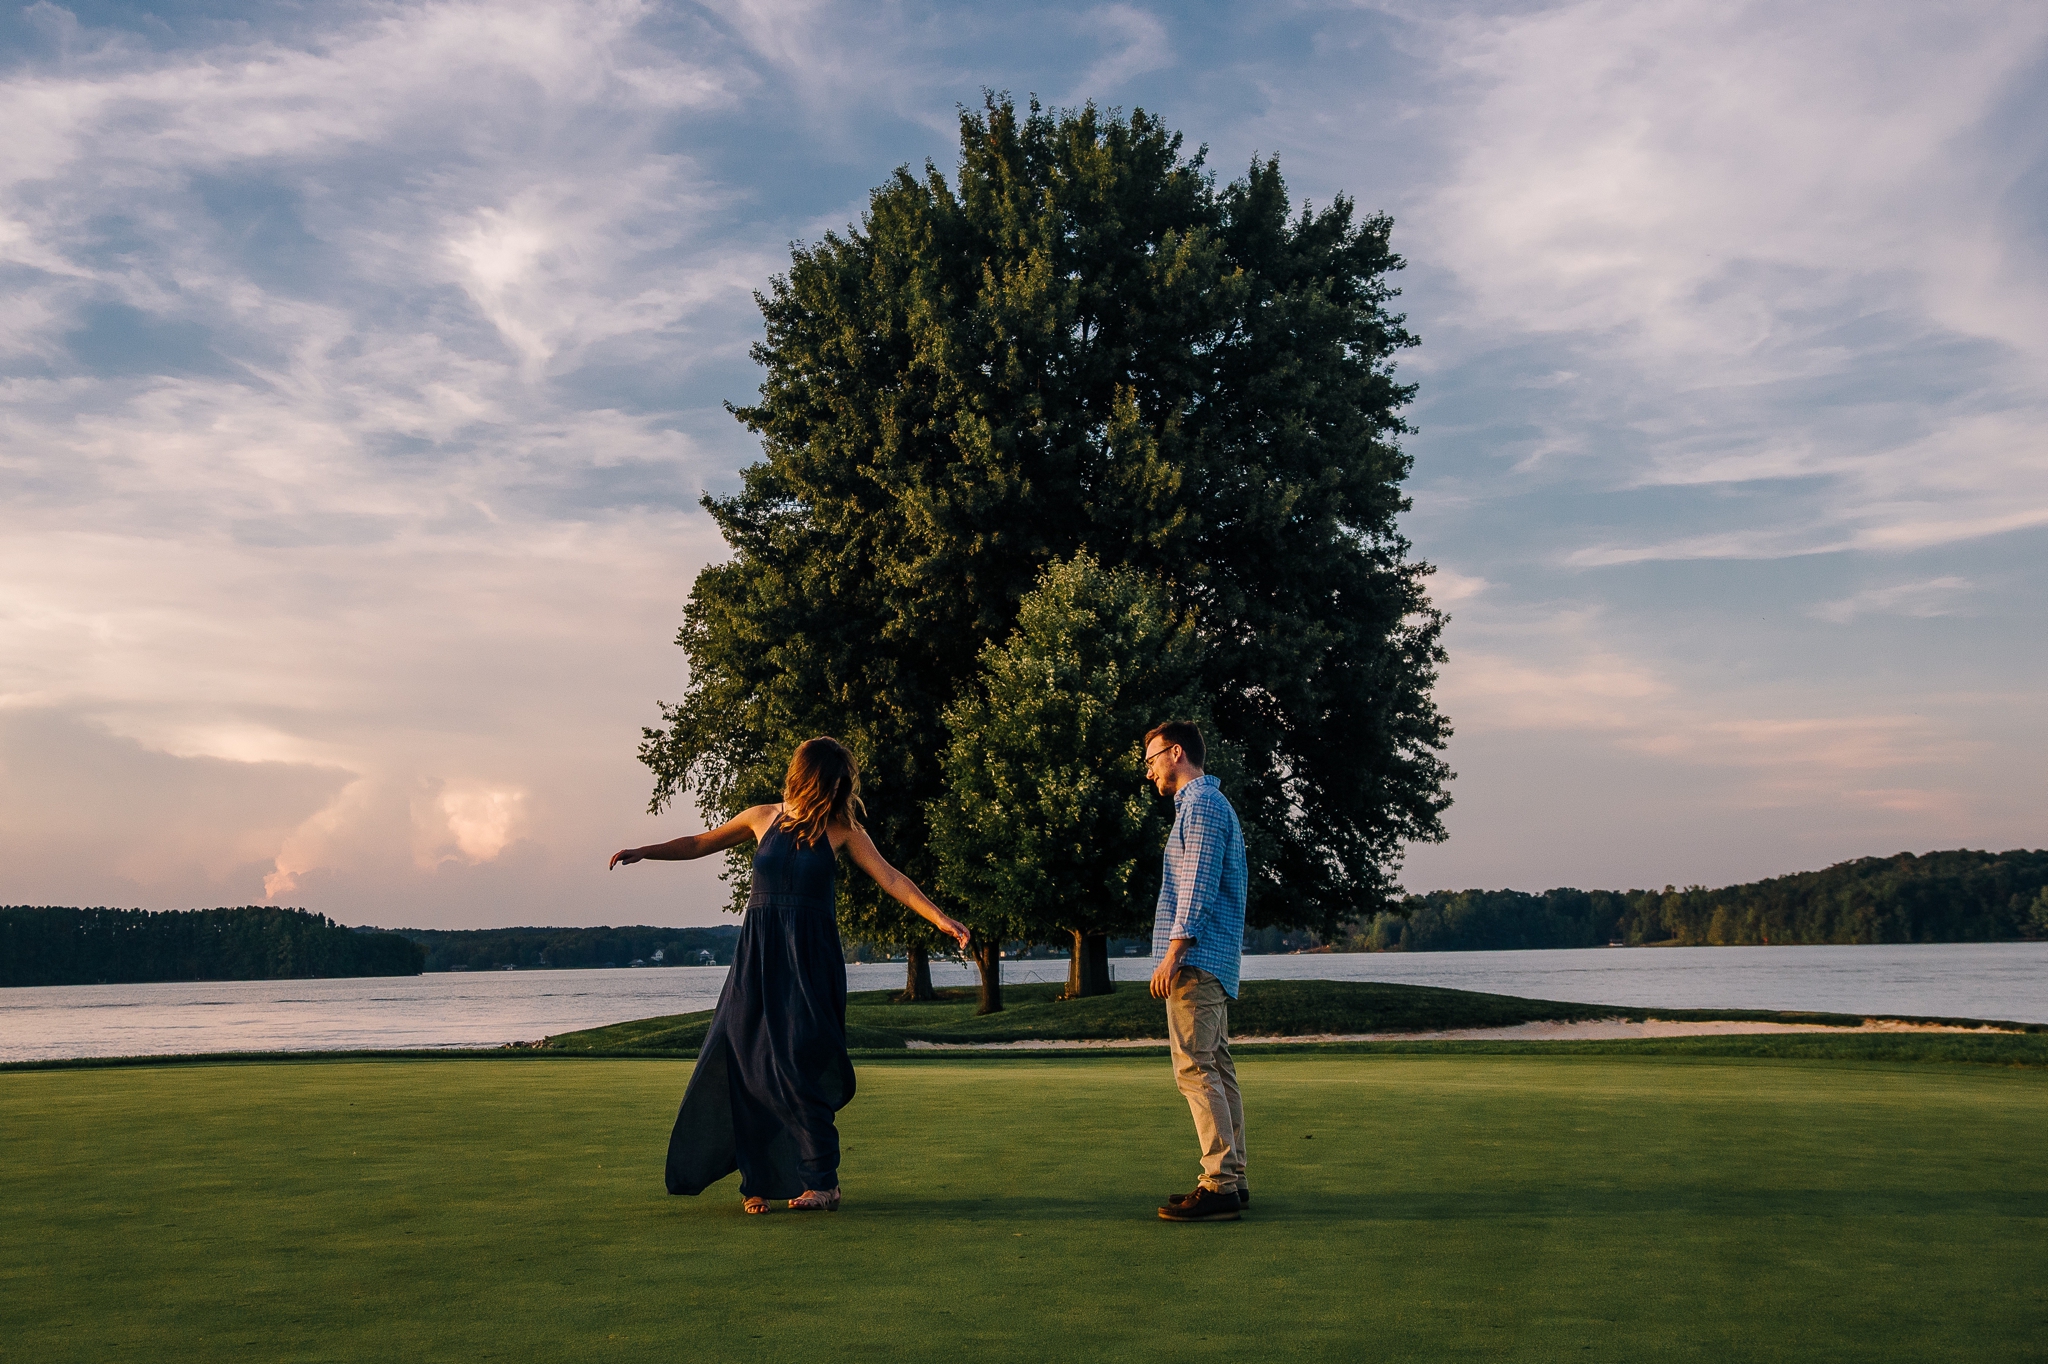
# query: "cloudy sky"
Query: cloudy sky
362,365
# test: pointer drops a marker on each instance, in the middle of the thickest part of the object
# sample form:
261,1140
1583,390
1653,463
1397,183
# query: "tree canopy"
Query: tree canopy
1046,824
1080,342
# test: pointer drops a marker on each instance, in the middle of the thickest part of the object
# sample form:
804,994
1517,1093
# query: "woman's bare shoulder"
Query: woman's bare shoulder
760,818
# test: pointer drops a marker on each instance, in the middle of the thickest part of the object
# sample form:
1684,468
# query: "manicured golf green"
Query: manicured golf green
1405,1207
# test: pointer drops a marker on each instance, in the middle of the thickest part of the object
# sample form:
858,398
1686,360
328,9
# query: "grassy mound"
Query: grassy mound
1409,1207
1265,1008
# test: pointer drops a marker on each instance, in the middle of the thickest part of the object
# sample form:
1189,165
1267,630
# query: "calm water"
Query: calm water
1958,980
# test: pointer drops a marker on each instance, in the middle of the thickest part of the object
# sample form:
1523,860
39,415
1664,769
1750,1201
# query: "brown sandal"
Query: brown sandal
757,1206
816,1200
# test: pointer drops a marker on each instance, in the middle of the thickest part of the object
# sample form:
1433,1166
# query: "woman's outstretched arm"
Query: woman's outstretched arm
744,827
900,887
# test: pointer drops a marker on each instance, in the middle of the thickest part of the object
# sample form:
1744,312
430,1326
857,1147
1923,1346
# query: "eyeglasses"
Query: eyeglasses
1151,758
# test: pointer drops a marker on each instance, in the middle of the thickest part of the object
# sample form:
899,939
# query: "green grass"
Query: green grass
1425,1207
1265,1008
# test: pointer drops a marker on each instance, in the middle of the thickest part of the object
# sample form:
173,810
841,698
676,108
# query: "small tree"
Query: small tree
1046,825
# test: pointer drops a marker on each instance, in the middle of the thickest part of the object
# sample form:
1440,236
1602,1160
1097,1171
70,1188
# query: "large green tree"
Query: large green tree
1047,824
1081,342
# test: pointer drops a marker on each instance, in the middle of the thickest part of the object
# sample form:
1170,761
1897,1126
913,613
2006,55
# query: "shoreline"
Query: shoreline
1590,1030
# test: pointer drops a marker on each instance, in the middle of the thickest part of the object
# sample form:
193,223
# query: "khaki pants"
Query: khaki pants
1198,1031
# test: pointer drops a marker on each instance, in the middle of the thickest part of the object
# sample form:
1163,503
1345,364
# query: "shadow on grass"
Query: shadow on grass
1066,1210
1512,1205
1505,1205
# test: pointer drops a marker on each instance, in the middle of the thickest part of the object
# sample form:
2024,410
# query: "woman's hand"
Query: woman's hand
627,855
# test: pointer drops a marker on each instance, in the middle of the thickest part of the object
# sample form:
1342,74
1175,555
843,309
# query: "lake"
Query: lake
470,1009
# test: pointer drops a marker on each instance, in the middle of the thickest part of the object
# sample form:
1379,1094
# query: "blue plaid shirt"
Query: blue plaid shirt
1201,887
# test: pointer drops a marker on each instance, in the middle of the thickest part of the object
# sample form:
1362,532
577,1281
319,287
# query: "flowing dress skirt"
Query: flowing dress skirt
773,1068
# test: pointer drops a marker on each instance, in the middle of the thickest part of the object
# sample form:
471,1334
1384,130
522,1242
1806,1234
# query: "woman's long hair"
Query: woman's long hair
821,789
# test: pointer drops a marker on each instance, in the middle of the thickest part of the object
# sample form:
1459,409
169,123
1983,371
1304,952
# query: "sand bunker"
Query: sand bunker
1586,1030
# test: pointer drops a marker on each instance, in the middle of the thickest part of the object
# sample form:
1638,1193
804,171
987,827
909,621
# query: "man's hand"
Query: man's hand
627,856
1169,967
1162,979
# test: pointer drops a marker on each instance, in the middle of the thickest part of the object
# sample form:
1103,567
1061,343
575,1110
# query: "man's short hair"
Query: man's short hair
1182,732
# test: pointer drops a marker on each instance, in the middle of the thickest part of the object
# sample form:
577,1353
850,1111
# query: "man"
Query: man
1198,936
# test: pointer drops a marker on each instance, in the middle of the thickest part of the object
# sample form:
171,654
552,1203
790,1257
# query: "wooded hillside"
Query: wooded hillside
494,949
49,945
1958,896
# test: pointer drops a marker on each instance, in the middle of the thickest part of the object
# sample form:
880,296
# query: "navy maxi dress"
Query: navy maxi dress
773,1068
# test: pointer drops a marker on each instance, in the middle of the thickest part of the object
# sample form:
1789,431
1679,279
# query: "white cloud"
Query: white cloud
1773,244
323,842
1975,475
470,819
1669,170
1448,588
1144,47
1600,692
843,64
83,808
1800,748
1932,597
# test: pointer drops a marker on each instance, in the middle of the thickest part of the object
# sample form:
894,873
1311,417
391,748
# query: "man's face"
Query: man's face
1161,758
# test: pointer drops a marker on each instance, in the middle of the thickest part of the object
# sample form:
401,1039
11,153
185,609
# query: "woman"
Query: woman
773,1068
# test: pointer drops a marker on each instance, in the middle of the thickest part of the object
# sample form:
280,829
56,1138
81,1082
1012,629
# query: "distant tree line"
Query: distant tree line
1959,896
48,945
1270,941
496,949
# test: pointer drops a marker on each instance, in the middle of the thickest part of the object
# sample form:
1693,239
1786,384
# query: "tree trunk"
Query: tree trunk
988,955
1088,972
917,986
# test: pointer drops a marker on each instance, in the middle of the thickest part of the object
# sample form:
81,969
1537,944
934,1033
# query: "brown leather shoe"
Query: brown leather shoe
1203,1205
1244,1197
